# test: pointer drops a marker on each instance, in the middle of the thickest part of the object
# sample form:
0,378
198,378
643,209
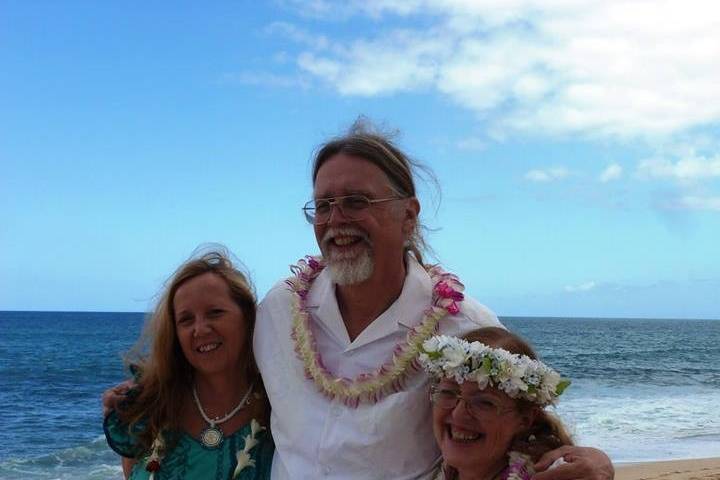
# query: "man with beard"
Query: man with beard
337,343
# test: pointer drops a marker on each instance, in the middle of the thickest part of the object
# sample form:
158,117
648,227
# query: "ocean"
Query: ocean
642,389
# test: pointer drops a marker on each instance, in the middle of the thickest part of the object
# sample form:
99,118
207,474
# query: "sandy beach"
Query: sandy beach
699,469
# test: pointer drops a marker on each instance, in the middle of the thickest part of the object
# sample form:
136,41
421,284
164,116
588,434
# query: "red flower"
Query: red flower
152,466
453,308
446,291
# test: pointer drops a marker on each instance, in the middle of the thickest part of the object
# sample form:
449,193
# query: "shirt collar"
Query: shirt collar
407,310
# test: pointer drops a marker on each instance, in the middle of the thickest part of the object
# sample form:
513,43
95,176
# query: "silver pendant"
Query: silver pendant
211,437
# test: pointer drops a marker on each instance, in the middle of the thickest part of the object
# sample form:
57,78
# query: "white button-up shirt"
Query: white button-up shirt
316,437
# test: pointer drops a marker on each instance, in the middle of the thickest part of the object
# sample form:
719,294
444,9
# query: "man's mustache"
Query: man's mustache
344,231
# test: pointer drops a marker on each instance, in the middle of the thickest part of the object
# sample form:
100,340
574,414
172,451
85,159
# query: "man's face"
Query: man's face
357,250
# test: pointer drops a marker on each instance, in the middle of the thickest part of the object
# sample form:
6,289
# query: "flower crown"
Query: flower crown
519,376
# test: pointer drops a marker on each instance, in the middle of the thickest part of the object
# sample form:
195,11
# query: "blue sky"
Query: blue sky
576,143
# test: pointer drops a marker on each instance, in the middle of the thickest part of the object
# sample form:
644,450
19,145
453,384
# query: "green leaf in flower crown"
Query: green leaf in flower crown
562,386
531,389
434,355
487,364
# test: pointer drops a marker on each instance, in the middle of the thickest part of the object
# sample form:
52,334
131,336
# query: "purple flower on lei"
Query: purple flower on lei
519,468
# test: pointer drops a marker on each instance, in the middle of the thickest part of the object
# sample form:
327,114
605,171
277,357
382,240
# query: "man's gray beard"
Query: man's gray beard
351,271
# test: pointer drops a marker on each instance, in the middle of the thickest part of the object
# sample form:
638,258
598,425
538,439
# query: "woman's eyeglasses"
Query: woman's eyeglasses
477,404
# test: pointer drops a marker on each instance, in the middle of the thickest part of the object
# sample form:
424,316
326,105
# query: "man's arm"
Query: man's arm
127,466
581,463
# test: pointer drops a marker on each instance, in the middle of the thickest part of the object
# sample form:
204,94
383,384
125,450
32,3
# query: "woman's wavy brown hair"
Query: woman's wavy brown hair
165,376
547,431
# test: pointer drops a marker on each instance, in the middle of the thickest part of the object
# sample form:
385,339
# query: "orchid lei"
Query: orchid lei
389,377
520,467
243,457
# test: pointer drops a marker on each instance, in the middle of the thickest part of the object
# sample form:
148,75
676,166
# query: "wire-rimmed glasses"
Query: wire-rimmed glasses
353,207
478,404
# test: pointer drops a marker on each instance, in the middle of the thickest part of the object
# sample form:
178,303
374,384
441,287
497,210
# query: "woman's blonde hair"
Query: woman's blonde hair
547,431
165,375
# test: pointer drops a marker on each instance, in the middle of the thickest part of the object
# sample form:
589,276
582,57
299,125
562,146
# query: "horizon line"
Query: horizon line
582,317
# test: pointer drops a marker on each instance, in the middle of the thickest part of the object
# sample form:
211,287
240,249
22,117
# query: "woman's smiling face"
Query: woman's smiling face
475,435
210,326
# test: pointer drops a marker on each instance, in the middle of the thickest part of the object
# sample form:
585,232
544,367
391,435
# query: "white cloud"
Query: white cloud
691,168
691,202
547,175
263,79
472,143
298,35
620,69
612,172
398,62
583,287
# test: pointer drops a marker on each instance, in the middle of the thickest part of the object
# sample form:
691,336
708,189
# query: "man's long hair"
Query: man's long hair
364,141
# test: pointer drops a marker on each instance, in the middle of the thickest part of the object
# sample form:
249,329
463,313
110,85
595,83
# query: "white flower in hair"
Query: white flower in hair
455,357
517,375
476,349
481,377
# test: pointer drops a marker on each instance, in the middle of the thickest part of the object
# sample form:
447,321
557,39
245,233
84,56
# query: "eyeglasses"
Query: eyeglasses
353,207
477,404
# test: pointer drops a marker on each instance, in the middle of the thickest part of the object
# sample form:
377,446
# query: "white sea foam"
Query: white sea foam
636,423
93,461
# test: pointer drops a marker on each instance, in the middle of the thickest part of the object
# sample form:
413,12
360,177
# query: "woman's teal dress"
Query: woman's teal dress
189,459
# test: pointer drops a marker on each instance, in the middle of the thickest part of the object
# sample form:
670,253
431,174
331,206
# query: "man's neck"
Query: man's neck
362,303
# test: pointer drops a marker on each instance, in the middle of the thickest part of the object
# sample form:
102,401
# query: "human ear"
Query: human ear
412,210
527,418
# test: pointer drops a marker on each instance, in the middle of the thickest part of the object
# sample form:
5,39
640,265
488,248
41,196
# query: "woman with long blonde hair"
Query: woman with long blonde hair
197,407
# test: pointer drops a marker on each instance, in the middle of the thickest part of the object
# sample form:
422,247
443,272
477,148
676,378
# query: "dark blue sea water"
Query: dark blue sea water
643,389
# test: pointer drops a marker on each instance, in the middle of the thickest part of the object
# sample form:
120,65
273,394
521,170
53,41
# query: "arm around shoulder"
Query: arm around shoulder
580,463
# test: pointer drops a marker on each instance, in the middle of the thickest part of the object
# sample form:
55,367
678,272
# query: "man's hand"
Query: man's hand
112,396
581,463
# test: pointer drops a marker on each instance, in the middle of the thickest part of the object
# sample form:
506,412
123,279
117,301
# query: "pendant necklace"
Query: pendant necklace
212,436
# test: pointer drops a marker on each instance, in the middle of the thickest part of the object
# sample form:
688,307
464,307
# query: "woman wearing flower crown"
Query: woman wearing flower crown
501,427
197,408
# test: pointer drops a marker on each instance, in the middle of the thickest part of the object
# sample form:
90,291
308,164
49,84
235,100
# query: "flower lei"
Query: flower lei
243,456
152,464
520,467
244,460
389,377
518,376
